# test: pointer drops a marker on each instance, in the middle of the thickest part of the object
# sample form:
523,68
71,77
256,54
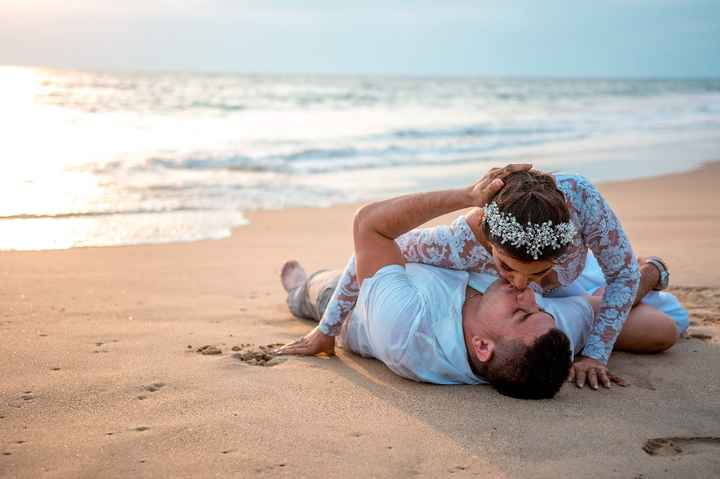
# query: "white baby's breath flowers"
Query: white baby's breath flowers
535,237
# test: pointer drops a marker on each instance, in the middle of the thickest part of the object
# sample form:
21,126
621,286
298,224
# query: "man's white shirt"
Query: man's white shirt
410,318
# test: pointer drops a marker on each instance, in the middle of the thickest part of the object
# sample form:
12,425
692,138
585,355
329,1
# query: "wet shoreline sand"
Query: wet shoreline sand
129,361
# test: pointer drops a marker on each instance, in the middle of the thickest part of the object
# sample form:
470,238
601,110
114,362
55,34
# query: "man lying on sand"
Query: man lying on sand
439,325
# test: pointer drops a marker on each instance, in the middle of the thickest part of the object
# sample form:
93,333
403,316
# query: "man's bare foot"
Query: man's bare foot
292,275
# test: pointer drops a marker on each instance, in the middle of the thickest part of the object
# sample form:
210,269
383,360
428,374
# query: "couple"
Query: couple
452,304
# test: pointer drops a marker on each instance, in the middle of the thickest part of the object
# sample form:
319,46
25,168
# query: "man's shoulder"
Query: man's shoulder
442,290
425,276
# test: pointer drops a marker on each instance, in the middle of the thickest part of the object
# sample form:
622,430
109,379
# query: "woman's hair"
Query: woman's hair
530,196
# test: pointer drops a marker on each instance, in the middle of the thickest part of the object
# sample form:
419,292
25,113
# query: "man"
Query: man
436,325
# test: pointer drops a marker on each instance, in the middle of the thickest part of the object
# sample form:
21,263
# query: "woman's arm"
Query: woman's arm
453,246
342,301
603,234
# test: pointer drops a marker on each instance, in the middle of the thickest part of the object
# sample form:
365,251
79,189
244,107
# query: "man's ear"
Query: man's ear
483,348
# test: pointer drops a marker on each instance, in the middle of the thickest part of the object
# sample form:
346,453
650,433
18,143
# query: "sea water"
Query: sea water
99,158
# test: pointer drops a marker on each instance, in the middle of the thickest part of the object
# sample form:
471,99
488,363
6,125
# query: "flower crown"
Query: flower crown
535,237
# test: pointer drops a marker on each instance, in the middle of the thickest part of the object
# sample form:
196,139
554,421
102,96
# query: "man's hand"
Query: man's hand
592,371
488,186
315,342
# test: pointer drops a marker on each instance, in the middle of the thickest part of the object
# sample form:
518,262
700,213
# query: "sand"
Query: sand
145,361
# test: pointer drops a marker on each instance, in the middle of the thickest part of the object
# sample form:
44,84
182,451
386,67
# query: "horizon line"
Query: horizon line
419,76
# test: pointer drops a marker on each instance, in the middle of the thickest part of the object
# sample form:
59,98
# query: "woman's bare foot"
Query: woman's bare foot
292,275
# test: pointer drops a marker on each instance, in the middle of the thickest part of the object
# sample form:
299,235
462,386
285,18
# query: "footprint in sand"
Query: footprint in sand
701,336
673,446
154,387
209,350
455,469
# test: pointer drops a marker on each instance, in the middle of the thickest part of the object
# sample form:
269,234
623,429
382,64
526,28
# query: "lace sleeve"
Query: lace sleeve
342,301
603,234
453,246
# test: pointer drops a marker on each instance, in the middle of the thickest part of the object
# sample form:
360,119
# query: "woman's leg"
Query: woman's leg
653,325
647,330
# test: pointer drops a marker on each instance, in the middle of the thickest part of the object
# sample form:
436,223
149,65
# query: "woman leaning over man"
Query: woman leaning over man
593,256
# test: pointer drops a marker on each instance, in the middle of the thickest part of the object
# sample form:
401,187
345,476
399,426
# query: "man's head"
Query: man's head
515,344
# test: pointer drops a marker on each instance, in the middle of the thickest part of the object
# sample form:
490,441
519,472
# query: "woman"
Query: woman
538,230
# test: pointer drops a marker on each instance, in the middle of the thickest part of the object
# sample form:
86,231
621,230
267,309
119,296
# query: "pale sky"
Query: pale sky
557,38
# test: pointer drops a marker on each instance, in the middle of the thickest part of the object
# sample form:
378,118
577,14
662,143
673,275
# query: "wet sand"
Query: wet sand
144,361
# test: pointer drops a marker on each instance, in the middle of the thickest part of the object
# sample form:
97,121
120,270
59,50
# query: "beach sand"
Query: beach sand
145,361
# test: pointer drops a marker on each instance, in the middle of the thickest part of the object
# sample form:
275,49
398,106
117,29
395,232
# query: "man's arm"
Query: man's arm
377,225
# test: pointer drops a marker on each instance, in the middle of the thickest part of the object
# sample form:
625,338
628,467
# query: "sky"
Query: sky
545,38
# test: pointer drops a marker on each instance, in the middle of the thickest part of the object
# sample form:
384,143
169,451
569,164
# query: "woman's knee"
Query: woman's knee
647,330
663,334
669,305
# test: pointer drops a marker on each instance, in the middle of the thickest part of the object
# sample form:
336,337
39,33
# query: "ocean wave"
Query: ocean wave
394,148
474,131
318,161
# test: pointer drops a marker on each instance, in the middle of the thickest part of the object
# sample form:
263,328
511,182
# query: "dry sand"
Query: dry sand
143,362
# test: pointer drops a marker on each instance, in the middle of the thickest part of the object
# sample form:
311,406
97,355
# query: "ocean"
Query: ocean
99,158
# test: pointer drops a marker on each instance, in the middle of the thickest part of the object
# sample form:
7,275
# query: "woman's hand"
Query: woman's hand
488,186
593,371
315,342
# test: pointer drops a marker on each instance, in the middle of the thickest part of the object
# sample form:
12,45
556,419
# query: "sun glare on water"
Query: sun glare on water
21,119
34,185
18,87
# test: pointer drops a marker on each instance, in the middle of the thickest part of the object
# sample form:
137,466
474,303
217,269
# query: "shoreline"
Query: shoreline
457,176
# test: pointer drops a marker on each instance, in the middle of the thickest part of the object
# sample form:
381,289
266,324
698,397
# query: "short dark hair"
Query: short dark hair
530,196
537,371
